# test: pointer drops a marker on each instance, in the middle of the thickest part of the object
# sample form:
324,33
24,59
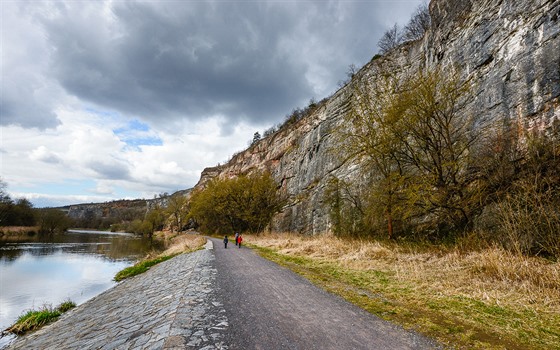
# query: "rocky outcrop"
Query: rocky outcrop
508,49
115,209
120,210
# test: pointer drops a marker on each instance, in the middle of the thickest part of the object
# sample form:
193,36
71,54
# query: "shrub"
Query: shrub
35,319
527,206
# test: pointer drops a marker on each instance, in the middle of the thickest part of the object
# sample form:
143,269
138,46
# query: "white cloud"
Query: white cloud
84,148
42,154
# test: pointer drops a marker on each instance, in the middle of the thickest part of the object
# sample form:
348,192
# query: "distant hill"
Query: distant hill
116,210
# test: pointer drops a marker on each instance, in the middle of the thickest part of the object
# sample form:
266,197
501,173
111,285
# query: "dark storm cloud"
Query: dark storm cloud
243,60
28,96
173,62
17,110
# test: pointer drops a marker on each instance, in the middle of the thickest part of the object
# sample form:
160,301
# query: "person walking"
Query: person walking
226,240
239,240
236,238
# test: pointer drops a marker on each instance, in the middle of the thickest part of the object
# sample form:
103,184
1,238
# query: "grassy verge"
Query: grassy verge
35,319
176,244
486,299
141,267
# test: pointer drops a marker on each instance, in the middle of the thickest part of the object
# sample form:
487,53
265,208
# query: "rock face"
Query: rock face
508,49
105,210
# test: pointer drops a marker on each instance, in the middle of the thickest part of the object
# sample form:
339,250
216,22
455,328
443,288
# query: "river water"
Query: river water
76,266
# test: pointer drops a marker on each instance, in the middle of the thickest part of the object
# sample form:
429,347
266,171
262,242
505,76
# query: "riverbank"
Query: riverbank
175,244
476,299
33,320
43,270
171,306
164,244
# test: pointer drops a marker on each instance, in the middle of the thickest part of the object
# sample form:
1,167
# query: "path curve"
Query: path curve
270,307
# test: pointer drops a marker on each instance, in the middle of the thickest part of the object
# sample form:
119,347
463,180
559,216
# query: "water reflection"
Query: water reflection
78,265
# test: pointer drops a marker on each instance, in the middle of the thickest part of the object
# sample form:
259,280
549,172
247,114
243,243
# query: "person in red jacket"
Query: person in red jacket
239,240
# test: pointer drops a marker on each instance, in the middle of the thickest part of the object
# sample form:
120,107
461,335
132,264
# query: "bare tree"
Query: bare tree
176,209
391,39
256,137
350,72
418,24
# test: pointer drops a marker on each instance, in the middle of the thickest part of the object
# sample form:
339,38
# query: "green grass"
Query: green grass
35,319
140,267
455,321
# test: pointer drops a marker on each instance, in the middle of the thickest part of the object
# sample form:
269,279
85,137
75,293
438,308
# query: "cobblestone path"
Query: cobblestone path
172,306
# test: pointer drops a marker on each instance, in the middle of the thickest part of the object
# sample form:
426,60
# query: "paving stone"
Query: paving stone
172,306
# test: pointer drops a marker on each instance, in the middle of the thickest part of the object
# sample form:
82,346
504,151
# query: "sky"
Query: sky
106,100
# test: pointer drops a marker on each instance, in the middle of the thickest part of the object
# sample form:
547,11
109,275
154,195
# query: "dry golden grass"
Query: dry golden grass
491,274
469,299
176,243
18,229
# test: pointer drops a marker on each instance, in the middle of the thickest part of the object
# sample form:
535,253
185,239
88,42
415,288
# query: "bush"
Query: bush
526,200
53,220
35,319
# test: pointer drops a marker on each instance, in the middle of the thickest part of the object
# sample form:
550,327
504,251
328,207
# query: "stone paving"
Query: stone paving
174,305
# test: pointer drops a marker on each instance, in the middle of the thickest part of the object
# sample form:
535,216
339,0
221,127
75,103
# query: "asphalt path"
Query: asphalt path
270,307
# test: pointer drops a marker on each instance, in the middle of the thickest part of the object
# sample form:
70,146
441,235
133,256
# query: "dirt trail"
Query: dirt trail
270,307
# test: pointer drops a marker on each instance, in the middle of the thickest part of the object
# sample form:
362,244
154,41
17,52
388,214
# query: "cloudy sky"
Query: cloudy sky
103,100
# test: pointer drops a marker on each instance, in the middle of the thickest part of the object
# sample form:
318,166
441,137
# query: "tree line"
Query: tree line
20,212
415,29
245,203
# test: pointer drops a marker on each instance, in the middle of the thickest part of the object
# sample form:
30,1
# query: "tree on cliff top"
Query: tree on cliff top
418,25
256,137
390,39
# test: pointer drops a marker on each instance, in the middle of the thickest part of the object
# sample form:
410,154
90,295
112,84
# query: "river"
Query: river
76,266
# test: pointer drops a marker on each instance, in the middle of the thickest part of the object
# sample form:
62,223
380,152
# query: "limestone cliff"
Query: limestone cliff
508,49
